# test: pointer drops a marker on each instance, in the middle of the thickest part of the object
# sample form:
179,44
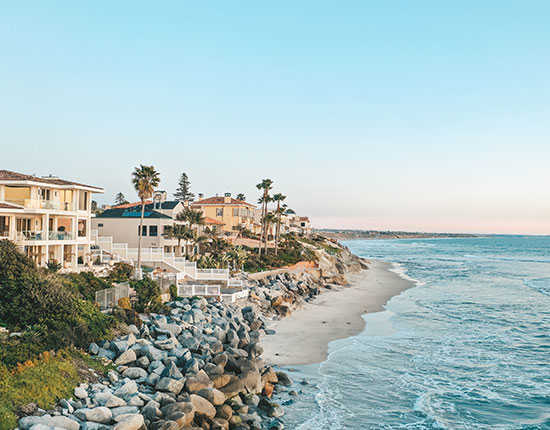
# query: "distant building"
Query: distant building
232,213
48,218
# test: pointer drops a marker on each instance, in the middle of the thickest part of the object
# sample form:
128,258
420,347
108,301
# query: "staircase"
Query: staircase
178,268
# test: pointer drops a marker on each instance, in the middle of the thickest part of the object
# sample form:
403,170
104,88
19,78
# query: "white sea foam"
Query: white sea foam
398,269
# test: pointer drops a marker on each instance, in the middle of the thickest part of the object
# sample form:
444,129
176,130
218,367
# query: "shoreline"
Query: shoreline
303,337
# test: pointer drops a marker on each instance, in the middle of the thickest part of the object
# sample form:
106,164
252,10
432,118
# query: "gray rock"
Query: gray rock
169,384
59,421
127,389
100,414
80,392
124,410
135,373
126,357
132,422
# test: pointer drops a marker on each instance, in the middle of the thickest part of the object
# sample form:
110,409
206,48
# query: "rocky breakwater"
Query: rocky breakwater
277,295
199,366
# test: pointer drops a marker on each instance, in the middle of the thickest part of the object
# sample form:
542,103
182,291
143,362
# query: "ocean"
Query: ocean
468,347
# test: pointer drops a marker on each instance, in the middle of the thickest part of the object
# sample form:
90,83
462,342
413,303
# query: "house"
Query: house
292,223
231,213
48,218
122,224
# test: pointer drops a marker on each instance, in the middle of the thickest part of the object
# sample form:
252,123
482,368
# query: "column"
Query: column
46,227
61,253
74,228
74,257
13,233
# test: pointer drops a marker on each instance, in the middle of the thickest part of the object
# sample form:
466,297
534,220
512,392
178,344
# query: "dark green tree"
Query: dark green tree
120,199
183,191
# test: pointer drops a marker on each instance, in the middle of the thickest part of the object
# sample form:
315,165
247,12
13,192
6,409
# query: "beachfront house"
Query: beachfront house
122,224
233,214
48,218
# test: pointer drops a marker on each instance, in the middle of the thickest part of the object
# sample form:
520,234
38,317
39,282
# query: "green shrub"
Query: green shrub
173,292
86,283
148,295
46,306
121,272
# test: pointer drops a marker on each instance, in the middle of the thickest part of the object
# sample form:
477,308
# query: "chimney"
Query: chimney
227,198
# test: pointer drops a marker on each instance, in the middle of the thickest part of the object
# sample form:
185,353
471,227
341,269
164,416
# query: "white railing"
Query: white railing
30,235
233,297
233,282
109,297
198,290
61,235
212,274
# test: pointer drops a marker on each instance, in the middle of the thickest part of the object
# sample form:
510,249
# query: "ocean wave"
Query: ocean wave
400,270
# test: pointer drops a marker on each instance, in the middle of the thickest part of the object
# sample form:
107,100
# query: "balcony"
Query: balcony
44,204
37,235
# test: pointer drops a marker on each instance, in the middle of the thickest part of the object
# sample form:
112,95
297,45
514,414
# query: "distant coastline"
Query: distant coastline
376,234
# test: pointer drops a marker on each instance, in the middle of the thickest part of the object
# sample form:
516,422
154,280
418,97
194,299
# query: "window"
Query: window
153,230
219,211
44,194
100,225
235,211
143,231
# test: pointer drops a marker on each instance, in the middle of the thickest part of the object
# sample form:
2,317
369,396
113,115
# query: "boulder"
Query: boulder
216,397
182,413
197,382
203,406
170,384
132,422
126,357
127,389
101,414
135,373
58,421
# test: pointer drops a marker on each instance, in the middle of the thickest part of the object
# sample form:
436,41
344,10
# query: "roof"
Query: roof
220,201
131,213
8,175
169,204
4,205
208,220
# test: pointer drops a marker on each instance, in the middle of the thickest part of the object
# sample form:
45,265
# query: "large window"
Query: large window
219,211
83,201
235,211
153,230
143,230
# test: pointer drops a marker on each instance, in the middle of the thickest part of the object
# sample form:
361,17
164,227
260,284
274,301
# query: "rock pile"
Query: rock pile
199,366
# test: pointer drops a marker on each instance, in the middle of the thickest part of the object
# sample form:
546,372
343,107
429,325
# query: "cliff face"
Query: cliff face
278,293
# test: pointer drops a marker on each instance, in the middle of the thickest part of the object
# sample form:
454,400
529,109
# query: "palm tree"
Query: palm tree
145,180
191,216
198,240
269,219
241,197
179,232
279,198
265,185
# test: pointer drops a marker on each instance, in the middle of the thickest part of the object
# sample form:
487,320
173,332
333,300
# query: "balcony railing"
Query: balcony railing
61,235
30,235
44,204
4,233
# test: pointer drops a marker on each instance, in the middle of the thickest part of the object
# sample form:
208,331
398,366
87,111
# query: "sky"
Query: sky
423,116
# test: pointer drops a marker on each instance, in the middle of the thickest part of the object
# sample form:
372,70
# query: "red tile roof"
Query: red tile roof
8,175
219,201
130,205
208,220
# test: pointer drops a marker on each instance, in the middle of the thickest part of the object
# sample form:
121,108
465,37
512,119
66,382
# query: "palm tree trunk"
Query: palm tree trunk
138,268
277,228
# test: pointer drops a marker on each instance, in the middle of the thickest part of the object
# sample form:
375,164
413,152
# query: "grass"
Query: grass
43,381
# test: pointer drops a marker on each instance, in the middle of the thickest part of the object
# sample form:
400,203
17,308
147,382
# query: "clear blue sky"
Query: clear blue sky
423,115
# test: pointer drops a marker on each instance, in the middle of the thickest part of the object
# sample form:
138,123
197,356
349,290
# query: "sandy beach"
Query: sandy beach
303,337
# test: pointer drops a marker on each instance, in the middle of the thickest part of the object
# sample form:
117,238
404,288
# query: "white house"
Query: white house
48,218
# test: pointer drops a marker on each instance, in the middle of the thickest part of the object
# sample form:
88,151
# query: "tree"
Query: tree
190,216
183,191
145,180
269,219
180,232
241,197
279,198
264,186
120,199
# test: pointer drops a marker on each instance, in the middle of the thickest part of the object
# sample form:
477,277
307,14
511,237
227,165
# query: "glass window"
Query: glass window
235,211
219,212
143,231
153,230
